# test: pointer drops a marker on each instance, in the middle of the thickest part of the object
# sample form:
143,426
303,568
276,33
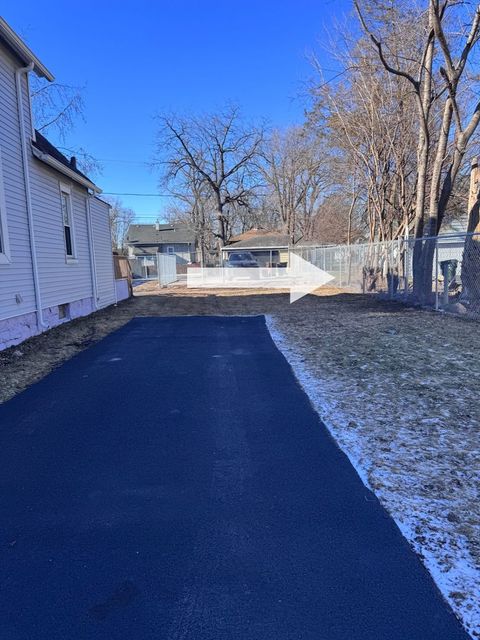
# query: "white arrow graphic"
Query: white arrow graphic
306,277
301,277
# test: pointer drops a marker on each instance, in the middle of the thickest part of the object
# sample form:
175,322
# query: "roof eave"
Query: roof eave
59,166
142,243
234,248
8,35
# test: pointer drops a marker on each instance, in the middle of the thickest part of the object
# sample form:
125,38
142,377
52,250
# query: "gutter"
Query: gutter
59,166
91,248
113,265
233,248
23,52
28,196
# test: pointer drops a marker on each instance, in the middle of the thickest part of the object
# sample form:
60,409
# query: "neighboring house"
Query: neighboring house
459,225
251,233
149,239
269,248
55,249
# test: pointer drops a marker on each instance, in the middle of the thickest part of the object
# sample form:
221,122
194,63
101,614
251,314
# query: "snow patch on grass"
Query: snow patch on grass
397,471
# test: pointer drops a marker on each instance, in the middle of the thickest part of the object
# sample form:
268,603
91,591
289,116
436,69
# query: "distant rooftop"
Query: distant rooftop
153,234
265,239
251,233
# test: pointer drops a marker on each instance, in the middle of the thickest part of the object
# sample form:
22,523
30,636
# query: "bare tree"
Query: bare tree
335,221
56,108
442,141
121,218
296,170
369,121
193,208
415,67
217,150
458,125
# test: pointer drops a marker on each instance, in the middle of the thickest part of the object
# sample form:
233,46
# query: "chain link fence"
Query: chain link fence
144,267
160,267
448,267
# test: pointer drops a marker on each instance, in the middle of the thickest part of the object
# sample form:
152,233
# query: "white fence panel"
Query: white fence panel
167,269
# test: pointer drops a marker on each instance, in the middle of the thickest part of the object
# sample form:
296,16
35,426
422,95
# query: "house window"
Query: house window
67,219
170,250
4,249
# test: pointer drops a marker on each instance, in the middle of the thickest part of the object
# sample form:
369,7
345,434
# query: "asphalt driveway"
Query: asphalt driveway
173,482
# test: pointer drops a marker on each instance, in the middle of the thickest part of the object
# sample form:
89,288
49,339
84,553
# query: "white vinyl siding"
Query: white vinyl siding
17,295
182,250
4,244
62,280
102,240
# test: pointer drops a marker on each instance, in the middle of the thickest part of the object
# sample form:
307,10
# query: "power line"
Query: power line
124,161
146,195
324,84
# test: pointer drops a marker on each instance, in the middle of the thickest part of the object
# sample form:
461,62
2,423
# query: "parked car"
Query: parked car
241,259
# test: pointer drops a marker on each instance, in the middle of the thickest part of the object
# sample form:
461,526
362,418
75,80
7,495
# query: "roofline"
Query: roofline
59,166
23,52
275,246
136,243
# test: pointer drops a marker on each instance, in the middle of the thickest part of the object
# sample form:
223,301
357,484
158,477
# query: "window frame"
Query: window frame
172,252
5,256
66,190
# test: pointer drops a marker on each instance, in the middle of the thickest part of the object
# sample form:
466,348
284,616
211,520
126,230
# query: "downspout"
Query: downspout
115,283
91,247
113,266
28,196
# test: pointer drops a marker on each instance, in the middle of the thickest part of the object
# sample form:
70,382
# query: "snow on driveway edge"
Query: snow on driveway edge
462,575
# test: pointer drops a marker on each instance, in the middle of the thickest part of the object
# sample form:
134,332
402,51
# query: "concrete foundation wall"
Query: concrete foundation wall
15,330
122,288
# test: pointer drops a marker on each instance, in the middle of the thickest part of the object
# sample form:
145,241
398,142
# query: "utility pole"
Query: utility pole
473,198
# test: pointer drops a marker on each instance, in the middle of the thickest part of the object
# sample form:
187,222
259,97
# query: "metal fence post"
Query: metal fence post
406,265
390,269
399,262
436,274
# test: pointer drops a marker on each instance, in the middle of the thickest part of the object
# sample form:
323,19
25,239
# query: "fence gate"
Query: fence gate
144,267
167,269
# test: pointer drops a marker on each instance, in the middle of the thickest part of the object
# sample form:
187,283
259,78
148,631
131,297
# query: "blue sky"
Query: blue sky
139,58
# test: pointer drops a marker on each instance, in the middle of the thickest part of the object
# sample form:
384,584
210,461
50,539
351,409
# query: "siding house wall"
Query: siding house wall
67,287
103,252
60,281
182,251
17,296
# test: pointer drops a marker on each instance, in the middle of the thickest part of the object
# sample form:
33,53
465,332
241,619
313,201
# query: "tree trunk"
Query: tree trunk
471,251
423,154
222,228
433,213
